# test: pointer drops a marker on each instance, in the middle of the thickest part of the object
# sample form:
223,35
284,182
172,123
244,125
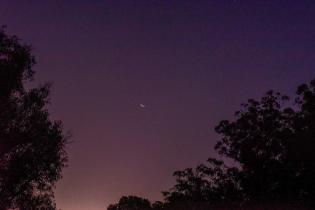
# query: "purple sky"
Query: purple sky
191,63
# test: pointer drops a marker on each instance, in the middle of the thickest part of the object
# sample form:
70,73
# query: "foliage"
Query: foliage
210,184
131,203
272,142
274,146
32,151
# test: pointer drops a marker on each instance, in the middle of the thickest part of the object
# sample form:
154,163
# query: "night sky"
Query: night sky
141,84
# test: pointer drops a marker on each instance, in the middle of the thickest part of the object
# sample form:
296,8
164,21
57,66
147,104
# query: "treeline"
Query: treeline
271,141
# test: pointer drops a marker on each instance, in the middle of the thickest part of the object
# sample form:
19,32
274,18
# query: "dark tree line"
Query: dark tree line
272,141
32,151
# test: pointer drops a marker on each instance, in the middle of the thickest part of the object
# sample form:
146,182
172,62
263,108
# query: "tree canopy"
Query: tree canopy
32,151
274,145
272,142
131,203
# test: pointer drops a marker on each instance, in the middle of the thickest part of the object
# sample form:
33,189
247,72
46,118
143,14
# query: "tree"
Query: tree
158,205
32,151
272,143
131,203
274,146
204,187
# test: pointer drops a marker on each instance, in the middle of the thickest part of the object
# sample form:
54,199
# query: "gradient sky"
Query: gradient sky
191,63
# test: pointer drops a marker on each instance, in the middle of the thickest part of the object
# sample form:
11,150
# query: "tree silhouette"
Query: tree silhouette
131,203
158,205
272,142
274,145
205,186
32,151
